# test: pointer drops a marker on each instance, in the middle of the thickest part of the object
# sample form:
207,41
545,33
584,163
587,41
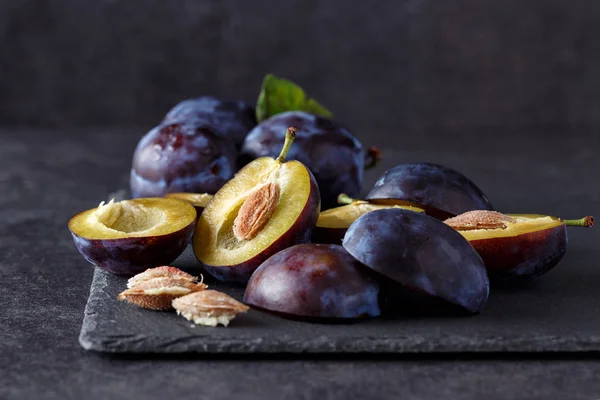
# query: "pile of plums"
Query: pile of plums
424,236
201,143
192,150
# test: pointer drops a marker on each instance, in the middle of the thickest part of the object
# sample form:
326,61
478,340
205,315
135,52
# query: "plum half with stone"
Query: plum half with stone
130,236
516,245
419,253
333,223
269,205
314,281
198,200
331,152
181,157
441,191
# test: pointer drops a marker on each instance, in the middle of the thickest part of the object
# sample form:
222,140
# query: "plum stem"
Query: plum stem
290,135
586,222
372,157
343,198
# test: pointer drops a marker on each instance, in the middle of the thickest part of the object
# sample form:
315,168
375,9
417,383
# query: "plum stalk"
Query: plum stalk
372,157
290,135
344,199
586,222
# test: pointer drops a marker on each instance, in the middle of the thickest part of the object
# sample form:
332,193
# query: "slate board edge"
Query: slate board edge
320,345
352,346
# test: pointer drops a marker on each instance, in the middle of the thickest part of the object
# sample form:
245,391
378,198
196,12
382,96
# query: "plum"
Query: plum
314,281
181,157
130,236
230,119
516,245
327,148
420,253
269,205
333,223
441,191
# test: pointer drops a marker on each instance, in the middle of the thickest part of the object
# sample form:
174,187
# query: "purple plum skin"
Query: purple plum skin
300,232
130,256
314,281
442,191
230,119
327,148
181,157
525,256
421,253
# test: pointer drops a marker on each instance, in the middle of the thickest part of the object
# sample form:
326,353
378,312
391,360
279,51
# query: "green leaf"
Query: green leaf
278,95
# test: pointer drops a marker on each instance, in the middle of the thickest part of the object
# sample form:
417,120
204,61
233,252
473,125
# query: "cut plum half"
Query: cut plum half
333,223
270,204
516,245
419,254
198,200
130,236
314,281
441,191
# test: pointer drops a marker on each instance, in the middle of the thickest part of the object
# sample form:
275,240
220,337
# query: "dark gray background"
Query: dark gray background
505,90
389,65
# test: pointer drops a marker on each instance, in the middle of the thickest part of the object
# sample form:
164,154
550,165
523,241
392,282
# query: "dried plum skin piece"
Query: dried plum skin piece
442,191
332,153
420,252
314,281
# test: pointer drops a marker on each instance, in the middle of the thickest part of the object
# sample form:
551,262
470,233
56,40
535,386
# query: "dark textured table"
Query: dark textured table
46,176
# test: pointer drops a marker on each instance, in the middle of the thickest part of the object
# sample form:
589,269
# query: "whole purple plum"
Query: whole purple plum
327,148
231,119
181,157
314,281
419,253
441,191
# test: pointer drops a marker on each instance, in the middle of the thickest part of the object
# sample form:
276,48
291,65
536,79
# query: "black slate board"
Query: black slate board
559,313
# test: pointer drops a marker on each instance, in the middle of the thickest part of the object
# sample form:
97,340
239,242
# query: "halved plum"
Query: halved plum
269,205
441,191
333,223
198,200
516,245
130,236
314,281
419,253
